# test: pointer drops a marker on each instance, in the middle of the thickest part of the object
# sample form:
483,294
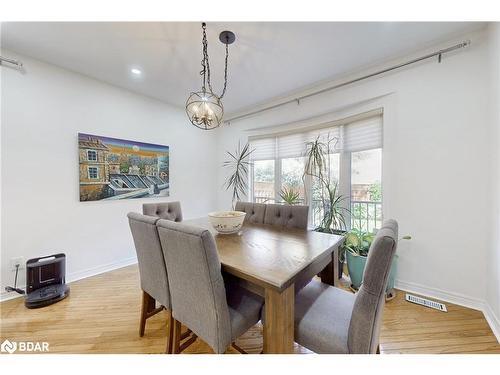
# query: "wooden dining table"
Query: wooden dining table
272,261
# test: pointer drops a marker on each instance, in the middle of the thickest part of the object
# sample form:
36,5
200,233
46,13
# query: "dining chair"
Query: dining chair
332,320
215,312
152,270
287,215
254,211
163,210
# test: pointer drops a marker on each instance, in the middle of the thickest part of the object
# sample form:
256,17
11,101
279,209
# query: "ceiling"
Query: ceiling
266,61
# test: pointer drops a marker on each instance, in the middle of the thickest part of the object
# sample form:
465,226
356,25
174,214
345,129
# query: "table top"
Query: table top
268,255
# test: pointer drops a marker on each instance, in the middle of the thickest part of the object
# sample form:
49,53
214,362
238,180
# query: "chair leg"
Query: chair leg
238,349
186,344
186,334
176,340
170,333
378,349
148,304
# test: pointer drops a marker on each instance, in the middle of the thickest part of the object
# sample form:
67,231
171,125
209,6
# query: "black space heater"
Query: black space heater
45,281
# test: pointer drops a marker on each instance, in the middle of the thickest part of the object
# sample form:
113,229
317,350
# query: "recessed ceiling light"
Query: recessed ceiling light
136,71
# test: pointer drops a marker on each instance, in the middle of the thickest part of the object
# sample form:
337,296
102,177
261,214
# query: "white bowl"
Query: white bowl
227,222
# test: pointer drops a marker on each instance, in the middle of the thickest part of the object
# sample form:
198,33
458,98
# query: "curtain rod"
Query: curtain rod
398,66
17,63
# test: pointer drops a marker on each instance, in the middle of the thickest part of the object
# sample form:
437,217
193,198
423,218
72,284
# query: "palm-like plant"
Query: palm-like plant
239,165
290,196
317,166
334,209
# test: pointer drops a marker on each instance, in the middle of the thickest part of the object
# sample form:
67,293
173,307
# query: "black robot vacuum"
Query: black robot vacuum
45,281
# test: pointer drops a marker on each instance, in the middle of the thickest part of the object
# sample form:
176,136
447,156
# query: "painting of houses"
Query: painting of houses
112,169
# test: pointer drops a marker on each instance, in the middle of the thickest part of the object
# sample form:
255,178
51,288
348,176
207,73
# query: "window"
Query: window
91,155
354,169
366,189
263,182
93,172
292,183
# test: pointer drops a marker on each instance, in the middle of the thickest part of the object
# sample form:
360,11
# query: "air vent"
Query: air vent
426,302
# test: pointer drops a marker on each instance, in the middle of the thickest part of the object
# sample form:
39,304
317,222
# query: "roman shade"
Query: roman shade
356,133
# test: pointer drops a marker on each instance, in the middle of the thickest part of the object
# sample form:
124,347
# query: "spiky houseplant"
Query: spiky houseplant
238,163
289,196
317,166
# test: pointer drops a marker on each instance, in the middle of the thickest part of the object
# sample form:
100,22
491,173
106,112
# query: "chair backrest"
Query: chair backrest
164,210
196,283
287,215
366,318
152,269
254,211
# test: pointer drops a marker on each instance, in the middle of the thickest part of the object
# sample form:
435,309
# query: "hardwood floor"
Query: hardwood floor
102,316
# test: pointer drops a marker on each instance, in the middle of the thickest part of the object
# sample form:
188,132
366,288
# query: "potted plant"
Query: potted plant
333,205
355,250
238,164
289,196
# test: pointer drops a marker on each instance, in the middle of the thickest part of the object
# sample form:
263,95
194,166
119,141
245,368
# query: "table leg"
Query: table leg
330,274
278,320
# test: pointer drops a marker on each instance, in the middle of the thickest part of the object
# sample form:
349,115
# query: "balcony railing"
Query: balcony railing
365,215
263,199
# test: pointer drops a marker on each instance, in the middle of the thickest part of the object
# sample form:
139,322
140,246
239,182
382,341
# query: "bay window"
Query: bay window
354,167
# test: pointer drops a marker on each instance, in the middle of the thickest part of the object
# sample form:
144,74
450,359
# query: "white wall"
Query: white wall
493,280
42,112
436,175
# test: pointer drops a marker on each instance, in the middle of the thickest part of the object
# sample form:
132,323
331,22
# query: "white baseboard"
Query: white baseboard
75,276
455,298
493,320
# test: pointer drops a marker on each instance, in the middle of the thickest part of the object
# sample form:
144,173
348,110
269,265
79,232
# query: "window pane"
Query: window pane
263,183
292,184
92,172
366,189
319,190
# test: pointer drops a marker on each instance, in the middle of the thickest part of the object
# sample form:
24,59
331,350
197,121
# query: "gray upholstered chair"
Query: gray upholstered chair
255,211
331,320
152,269
216,312
286,215
164,210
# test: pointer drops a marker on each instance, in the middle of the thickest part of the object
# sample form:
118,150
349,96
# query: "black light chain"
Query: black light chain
225,73
205,72
204,61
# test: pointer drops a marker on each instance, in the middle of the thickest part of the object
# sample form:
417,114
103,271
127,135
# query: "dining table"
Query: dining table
275,262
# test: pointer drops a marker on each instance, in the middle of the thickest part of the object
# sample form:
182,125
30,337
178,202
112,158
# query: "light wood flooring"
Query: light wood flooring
102,315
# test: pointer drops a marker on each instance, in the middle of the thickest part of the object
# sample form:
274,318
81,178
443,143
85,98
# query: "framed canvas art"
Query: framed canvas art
112,168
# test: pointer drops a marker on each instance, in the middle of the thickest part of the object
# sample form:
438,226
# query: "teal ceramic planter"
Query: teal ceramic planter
356,267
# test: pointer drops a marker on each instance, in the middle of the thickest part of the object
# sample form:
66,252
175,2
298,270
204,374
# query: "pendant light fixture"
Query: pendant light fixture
204,108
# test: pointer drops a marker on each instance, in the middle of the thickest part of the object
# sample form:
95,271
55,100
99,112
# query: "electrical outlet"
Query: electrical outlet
16,261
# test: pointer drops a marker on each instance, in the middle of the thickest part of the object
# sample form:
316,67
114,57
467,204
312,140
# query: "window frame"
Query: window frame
345,183
350,143
97,172
88,153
